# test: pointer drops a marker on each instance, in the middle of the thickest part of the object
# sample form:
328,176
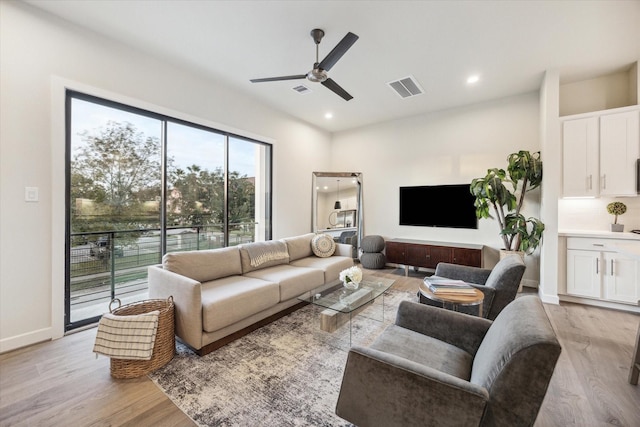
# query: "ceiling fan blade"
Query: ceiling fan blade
335,87
275,79
337,52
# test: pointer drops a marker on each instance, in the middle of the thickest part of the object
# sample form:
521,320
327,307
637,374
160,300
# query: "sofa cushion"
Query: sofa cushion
258,255
228,300
322,245
331,266
204,266
294,281
299,246
425,350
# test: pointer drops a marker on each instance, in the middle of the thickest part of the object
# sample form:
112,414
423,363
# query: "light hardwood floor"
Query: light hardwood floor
61,383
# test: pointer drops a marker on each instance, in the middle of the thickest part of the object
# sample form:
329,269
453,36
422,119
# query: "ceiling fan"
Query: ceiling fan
319,72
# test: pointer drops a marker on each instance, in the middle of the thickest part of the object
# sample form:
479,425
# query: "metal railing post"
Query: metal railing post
112,254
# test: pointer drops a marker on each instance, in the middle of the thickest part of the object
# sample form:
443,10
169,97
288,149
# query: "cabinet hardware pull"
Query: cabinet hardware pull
598,244
612,267
604,181
590,181
597,266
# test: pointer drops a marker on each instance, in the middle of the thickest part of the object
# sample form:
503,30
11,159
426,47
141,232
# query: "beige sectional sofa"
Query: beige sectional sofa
222,294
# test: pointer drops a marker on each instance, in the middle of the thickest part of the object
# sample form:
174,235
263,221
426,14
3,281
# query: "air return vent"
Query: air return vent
406,87
301,89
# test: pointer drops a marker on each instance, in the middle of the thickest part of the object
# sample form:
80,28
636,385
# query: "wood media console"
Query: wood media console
427,254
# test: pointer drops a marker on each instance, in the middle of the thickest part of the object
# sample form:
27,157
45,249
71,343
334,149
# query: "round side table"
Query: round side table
455,300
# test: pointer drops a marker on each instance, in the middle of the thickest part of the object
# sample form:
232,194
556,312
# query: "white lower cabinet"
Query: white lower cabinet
621,278
595,272
584,276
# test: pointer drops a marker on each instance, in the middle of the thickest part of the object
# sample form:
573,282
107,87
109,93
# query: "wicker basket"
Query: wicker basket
165,344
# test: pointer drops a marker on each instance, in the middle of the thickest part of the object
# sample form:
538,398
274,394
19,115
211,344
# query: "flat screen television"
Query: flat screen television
438,206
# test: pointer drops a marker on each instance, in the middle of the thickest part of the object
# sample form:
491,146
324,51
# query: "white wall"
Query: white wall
37,53
551,185
600,93
448,147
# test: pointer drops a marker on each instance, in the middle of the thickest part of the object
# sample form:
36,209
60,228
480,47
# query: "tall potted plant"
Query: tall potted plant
492,192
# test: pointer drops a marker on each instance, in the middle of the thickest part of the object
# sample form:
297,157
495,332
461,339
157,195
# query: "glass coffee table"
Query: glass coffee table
341,304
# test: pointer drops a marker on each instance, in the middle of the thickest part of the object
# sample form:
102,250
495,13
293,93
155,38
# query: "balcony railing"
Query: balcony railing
113,264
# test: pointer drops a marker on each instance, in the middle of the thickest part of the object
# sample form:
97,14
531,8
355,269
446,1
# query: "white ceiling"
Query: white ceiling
509,44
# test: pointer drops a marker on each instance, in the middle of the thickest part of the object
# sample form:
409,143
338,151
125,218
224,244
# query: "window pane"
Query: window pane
195,188
114,197
247,179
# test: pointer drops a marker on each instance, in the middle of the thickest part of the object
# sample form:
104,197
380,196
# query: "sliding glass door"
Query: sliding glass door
139,185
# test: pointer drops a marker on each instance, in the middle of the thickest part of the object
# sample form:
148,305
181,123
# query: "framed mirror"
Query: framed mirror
337,206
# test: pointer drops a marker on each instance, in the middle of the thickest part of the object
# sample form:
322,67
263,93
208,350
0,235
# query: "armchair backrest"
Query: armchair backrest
515,362
505,279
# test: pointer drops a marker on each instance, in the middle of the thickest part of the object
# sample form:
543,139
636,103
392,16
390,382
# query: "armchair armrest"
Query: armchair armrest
459,329
380,389
187,298
463,272
489,294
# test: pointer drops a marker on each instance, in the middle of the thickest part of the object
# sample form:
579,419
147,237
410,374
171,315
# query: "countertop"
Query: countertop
625,243
626,235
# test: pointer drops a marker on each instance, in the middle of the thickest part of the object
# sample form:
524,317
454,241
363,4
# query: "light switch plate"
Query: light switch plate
31,194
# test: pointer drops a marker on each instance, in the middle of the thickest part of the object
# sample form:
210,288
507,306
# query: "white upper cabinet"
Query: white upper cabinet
600,153
580,158
619,150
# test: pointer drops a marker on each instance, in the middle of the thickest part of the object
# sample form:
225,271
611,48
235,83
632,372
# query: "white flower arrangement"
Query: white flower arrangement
352,274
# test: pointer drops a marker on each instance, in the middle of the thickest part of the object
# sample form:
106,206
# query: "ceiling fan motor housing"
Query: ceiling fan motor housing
317,75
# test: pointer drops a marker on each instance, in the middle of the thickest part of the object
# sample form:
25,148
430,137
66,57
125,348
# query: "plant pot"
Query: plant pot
617,227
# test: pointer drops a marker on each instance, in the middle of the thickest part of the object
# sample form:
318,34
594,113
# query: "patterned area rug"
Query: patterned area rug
287,373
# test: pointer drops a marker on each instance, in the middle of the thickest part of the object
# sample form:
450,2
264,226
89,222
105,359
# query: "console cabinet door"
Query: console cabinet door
584,273
438,254
395,252
621,278
417,255
470,257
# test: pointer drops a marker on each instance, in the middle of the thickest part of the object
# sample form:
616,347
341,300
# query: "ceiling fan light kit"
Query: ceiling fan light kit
318,73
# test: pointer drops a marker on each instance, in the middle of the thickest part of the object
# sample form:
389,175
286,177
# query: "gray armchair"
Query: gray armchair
349,238
437,367
499,285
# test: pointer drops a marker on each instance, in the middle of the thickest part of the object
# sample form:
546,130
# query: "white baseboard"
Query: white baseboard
601,303
18,341
549,299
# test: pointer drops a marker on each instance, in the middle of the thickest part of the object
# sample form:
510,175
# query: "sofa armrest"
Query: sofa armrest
343,249
380,389
459,329
462,272
187,298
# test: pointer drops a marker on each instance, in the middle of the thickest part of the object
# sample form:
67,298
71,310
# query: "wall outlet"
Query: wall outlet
31,194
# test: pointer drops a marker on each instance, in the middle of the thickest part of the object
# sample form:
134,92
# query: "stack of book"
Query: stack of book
443,286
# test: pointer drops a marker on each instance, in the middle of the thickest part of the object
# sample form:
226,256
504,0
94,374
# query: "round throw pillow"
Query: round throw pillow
372,244
323,245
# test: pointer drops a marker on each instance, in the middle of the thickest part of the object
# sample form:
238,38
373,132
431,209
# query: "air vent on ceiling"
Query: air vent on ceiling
301,89
406,87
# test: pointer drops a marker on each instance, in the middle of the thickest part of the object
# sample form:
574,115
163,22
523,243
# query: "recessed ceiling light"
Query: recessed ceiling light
473,79
328,115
